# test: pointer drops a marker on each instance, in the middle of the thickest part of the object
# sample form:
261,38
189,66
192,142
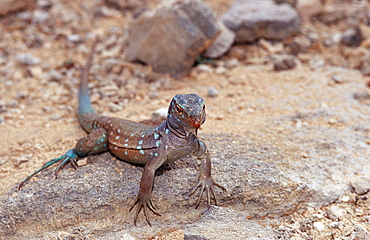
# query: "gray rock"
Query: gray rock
127,4
221,44
26,59
352,37
253,19
336,213
361,184
212,92
283,62
215,224
171,38
160,114
7,6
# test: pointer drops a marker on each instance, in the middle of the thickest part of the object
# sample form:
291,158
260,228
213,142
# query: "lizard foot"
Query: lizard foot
69,156
143,203
206,184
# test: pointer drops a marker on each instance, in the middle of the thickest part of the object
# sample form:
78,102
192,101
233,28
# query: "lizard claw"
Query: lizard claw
144,203
69,156
206,184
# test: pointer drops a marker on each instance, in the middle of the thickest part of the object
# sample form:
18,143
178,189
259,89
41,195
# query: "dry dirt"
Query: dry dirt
39,111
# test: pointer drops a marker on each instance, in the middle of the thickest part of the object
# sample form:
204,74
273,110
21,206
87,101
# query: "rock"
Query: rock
272,48
361,184
300,44
253,19
352,37
215,224
316,62
160,114
360,233
283,62
74,38
337,225
308,8
212,92
26,59
231,63
365,65
114,107
7,6
336,213
221,44
171,38
319,226
127,4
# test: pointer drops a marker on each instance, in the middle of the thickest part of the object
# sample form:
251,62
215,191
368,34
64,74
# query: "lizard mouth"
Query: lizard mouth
195,122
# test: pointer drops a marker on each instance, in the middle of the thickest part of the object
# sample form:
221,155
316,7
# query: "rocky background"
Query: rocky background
286,85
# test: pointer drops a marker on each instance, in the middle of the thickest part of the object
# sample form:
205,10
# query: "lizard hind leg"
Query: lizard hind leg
94,143
70,155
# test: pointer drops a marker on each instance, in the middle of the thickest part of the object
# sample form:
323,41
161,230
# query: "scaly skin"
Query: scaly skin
141,144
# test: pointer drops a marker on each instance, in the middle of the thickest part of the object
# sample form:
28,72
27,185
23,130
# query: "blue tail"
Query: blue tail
84,104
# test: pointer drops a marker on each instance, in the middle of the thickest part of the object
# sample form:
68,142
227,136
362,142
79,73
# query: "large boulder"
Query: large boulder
170,38
253,19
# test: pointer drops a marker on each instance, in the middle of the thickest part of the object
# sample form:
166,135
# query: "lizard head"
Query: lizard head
187,110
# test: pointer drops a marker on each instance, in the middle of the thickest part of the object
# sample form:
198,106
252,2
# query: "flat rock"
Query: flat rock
7,6
215,224
170,38
253,19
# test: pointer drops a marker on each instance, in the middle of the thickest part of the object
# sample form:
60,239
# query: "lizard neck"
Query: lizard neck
177,129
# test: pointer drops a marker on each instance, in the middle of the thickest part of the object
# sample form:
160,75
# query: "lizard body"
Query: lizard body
137,143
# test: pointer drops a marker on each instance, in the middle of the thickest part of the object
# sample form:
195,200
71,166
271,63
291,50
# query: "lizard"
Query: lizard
141,144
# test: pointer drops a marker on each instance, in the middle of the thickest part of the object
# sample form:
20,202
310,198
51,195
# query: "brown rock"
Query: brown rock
7,6
171,38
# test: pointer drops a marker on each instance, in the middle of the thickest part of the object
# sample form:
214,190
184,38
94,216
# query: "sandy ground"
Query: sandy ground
39,111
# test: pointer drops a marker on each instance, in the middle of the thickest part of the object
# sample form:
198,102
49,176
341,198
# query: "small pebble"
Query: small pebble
336,213
75,38
348,230
319,226
361,184
212,92
21,159
3,160
231,63
26,59
2,120
337,225
113,107
55,75
204,68
160,114
221,70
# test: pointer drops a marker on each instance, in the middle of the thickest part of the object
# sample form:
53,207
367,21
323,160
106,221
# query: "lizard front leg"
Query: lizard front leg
143,201
205,182
94,143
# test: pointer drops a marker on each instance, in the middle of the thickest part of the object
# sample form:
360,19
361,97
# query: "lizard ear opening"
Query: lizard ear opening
178,108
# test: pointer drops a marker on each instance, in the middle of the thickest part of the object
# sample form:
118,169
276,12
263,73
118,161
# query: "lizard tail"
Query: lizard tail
84,103
86,113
